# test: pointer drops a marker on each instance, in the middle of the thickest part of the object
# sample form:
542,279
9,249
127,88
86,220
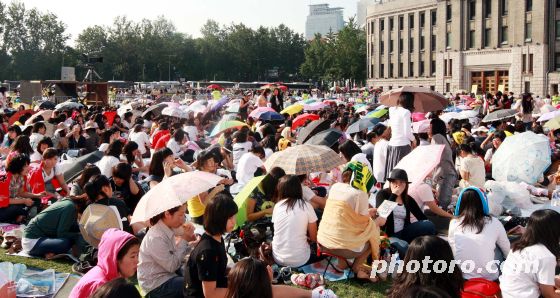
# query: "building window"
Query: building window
391,24
434,17
447,87
390,45
487,37
401,46
530,63
505,7
400,70
411,69
422,68
448,12
421,43
401,23
411,21
504,34
471,39
529,5
433,42
524,63
558,29
487,8
391,74
381,25
557,3
472,9
433,67
382,70
422,19
450,67
382,47
411,45
448,40
527,87
445,67
528,31
557,61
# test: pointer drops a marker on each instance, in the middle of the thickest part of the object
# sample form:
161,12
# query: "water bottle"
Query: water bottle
555,201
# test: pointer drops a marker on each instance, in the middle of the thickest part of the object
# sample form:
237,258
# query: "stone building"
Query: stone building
471,45
323,19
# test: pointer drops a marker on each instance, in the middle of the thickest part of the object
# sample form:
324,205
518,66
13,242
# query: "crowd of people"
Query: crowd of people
308,217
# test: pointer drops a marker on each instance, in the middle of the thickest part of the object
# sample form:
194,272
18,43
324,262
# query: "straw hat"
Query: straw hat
96,219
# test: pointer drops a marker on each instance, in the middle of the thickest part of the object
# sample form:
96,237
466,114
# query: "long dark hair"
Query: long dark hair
270,182
289,189
542,228
114,149
93,187
349,149
438,127
406,100
21,145
116,288
89,171
249,279
437,249
471,211
156,165
128,151
527,103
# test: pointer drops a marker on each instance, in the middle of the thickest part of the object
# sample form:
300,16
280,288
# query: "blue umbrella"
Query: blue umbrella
362,125
220,103
271,116
452,109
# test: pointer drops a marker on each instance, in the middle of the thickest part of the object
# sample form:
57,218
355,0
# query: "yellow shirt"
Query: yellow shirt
195,207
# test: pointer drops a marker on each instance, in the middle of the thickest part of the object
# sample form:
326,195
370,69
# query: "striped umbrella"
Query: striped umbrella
304,159
225,125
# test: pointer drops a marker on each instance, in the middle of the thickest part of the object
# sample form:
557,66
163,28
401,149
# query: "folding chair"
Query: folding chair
329,257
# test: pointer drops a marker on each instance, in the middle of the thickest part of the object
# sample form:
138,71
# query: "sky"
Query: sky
187,15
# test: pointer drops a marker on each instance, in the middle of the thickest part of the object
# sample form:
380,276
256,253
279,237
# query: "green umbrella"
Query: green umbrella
553,124
224,125
241,199
377,113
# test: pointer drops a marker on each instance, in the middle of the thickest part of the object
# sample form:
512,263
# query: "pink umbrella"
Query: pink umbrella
418,116
314,106
425,100
256,113
421,162
421,126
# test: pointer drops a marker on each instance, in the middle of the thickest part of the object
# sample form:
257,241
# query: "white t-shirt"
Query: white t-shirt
142,139
400,122
286,132
238,149
518,283
248,164
380,159
289,245
399,215
175,147
357,199
475,167
361,157
267,153
192,132
479,248
34,139
106,165
307,193
35,156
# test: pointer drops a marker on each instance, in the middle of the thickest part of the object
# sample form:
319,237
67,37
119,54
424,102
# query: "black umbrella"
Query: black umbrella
327,138
155,109
499,115
47,105
312,129
80,163
362,125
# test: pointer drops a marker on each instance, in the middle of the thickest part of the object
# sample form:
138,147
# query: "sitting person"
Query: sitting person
54,230
43,144
475,235
437,250
205,271
472,167
124,187
117,288
294,221
399,223
162,252
99,191
252,278
117,257
46,176
318,202
110,159
89,171
538,249
259,204
250,165
15,201
346,229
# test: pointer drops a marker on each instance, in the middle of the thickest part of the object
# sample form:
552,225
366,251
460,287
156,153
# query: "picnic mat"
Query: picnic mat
331,274
59,256
36,282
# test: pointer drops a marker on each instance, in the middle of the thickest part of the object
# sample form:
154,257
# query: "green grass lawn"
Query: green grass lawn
351,288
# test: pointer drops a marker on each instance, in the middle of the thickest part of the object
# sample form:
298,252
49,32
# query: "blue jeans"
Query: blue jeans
410,232
10,213
172,288
51,245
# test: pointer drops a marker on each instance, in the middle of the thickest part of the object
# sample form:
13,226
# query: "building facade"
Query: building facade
323,19
472,45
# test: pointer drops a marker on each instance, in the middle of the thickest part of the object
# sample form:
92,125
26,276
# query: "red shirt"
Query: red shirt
162,142
157,135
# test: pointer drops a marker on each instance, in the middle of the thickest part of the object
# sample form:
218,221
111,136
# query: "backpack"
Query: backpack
480,287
